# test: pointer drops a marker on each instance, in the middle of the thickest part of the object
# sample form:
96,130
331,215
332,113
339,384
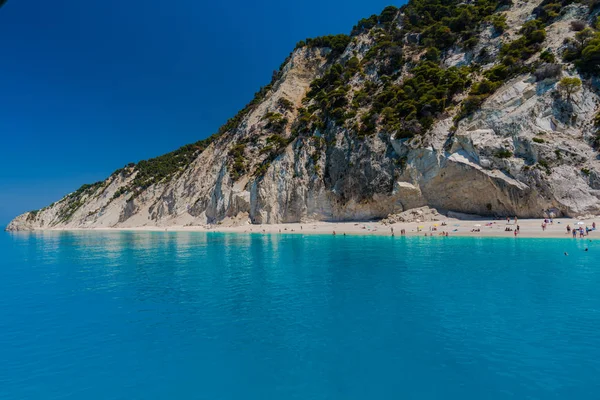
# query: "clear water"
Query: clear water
223,316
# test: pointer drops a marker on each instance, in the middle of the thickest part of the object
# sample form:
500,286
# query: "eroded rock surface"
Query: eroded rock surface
525,151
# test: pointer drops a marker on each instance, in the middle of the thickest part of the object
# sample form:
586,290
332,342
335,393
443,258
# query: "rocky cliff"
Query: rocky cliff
486,107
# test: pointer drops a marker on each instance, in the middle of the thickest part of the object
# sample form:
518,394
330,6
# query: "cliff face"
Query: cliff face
382,121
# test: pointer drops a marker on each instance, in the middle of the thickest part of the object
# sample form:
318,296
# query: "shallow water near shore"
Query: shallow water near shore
155,315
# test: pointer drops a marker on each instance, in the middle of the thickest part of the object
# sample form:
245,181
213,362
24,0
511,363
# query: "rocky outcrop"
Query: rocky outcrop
421,214
525,151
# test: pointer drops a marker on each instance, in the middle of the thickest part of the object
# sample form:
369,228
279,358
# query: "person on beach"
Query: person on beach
568,229
333,233
581,232
516,220
518,228
508,220
516,232
593,225
574,233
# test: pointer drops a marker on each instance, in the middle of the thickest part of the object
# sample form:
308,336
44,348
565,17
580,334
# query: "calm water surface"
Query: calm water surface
224,316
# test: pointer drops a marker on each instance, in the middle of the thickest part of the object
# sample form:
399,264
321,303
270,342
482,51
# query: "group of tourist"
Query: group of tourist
516,230
581,230
402,231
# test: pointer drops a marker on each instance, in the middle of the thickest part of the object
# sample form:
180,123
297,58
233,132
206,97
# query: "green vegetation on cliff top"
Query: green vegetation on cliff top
346,96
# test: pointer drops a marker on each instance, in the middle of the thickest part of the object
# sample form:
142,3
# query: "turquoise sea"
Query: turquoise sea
125,315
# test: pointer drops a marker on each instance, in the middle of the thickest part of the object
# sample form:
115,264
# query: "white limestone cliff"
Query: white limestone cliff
450,168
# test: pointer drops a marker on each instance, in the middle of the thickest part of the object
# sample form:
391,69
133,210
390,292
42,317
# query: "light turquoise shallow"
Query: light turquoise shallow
125,315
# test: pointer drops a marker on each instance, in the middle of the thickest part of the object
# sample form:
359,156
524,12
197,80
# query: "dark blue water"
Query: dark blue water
218,316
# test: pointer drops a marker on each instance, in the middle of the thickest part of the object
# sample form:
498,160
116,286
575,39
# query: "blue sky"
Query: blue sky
88,86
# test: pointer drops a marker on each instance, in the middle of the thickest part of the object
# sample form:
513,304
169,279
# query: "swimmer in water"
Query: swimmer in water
566,254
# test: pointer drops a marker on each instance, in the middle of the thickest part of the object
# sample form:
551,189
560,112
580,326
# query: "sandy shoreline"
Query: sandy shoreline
529,228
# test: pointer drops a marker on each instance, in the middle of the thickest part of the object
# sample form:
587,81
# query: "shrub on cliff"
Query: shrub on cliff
386,17
285,104
569,85
497,73
584,51
337,43
547,71
275,122
471,104
484,87
237,154
499,23
420,98
596,138
590,56
547,56
156,169
504,153
443,23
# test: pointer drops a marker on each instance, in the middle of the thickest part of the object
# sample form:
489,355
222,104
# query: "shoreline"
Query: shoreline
529,228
